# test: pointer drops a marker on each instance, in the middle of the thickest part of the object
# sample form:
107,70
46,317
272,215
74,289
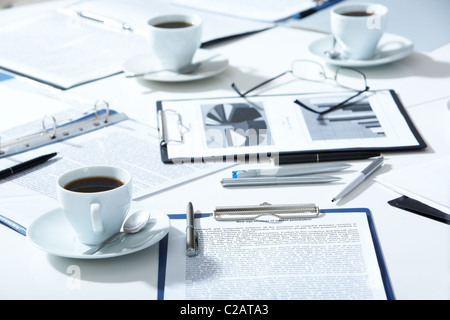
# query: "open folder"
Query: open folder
275,128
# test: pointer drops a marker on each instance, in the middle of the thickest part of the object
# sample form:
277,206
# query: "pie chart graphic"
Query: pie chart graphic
239,125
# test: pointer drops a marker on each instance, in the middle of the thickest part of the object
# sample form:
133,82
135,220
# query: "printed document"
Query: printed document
330,257
266,125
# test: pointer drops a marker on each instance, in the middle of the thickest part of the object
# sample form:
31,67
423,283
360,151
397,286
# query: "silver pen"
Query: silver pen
261,181
97,18
191,234
291,170
371,168
105,20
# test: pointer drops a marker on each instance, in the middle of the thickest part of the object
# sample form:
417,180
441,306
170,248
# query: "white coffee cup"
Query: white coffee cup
95,216
174,39
358,35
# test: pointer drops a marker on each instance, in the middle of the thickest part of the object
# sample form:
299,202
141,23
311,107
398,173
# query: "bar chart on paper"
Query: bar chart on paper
356,121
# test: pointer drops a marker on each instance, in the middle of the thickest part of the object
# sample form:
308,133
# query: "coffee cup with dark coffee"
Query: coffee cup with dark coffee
357,28
174,39
95,200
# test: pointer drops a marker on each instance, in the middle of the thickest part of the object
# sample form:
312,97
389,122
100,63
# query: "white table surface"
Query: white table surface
416,249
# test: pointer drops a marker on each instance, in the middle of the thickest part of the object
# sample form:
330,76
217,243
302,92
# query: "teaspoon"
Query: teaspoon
332,54
133,224
190,68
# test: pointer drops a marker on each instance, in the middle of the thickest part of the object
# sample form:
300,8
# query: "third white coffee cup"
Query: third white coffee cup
358,28
174,39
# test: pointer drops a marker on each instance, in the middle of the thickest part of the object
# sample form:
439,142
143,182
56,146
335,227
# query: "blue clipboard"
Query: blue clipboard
163,247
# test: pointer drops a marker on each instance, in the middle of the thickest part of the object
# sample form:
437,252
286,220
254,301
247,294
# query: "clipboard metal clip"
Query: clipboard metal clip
165,119
265,210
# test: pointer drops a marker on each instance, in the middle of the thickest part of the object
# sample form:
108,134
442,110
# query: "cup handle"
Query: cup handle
96,218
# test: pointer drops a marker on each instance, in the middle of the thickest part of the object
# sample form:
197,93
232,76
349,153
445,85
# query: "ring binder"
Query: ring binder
251,212
53,134
98,119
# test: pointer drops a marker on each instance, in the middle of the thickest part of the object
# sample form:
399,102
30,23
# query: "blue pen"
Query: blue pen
320,6
13,225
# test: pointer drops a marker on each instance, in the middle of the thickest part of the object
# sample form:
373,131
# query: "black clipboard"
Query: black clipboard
291,156
420,208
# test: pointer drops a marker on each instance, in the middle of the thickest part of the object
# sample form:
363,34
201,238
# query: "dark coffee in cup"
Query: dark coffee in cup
357,14
173,24
93,184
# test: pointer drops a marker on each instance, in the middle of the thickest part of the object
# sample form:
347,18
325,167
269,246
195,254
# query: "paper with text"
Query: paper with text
330,257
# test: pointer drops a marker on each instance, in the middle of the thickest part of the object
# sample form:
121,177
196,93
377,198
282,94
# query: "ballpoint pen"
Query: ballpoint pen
191,234
371,168
326,156
13,225
291,170
25,165
97,18
261,181
105,20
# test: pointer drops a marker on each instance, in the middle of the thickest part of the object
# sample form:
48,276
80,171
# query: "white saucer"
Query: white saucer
212,64
390,48
52,233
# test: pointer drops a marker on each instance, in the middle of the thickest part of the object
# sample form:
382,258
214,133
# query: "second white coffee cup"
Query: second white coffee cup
174,39
358,28
95,201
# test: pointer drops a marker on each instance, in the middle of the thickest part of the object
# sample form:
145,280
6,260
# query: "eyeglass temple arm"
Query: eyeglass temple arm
343,103
338,106
233,85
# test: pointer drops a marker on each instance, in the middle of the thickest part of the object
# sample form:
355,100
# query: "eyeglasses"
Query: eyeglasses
309,70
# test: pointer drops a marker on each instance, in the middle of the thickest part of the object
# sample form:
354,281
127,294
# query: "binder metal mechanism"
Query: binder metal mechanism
266,211
95,120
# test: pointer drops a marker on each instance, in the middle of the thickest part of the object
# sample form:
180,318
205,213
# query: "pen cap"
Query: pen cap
373,166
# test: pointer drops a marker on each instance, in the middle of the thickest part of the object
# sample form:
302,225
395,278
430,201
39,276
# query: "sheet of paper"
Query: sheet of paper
331,257
428,182
65,51
127,144
266,10
271,124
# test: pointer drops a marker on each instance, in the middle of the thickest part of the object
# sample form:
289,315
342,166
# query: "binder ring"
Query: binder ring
53,132
99,103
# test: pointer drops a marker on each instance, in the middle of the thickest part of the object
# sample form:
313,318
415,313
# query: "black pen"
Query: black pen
26,165
326,156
